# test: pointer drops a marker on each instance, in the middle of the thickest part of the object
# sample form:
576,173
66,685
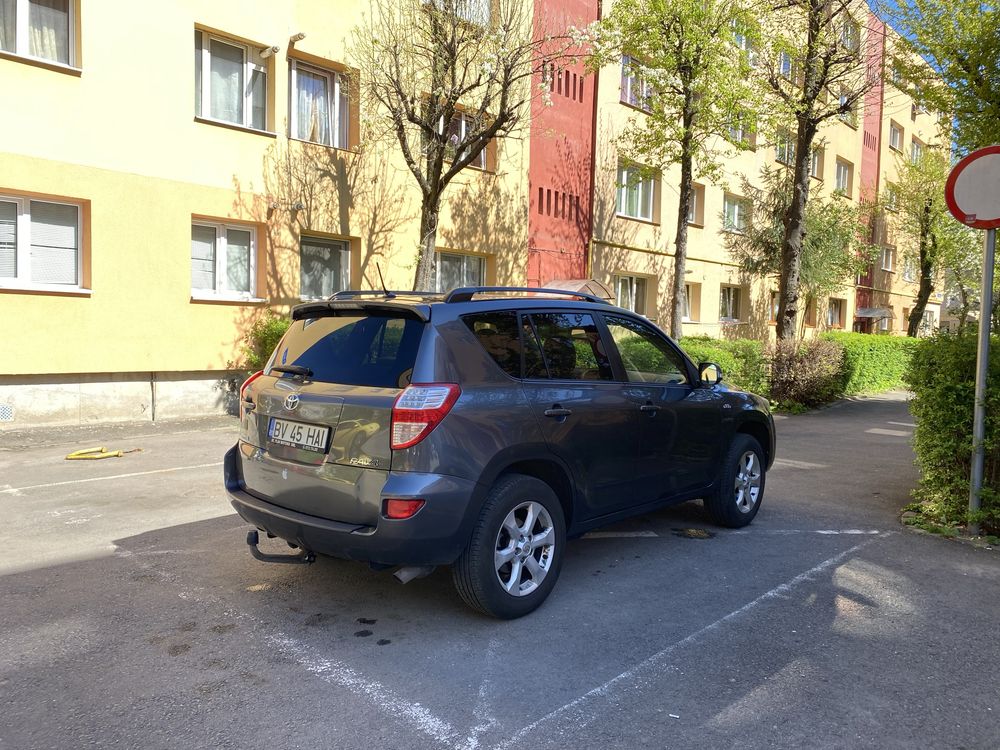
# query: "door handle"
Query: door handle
557,411
650,409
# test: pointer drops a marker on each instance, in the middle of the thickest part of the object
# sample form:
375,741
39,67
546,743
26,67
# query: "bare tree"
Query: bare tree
447,78
816,64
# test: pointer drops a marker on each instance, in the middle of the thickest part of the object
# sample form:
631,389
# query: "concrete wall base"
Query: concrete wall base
52,400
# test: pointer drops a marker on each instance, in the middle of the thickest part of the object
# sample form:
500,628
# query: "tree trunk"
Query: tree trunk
430,210
678,294
795,232
926,269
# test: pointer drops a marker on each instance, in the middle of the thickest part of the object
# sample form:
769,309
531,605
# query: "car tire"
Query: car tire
512,560
740,490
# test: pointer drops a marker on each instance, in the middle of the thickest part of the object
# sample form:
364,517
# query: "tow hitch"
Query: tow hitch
303,558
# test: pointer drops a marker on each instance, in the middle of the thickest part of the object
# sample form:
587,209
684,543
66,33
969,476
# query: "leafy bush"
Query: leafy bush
805,373
742,361
873,363
262,338
941,378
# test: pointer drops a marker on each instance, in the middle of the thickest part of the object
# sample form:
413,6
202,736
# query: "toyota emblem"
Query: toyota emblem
292,402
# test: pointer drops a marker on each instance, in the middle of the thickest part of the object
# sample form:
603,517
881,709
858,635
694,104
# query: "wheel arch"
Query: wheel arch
759,431
547,469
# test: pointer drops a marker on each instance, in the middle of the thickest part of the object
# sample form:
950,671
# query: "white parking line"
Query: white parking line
790,464
581,715
903,424
892,433
15,490
617,534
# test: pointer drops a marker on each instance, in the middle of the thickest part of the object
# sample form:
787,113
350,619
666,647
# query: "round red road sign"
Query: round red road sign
972,190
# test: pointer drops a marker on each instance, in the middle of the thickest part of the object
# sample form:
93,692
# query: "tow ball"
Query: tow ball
305,557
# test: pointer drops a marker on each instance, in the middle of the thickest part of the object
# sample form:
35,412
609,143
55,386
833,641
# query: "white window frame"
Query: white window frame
249,68
784,149
889,259
909,270
740,220
22,34
846,170
221,247
816,163
22,247
686,317
740,131
916,151
742,42
835,303
848,116
850,35
463,125
885,324
466,257
345,252
335,83
891,197
895,137
629,284
694,209
631,79
647,187
730,305
785,65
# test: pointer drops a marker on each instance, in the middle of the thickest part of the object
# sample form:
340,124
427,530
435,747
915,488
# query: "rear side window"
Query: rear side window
497,333
572,346
370,350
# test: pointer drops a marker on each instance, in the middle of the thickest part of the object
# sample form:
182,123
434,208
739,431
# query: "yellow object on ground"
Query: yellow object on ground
92,454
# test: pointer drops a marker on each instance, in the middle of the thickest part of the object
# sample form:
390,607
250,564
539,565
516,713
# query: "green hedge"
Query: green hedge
873,363
743,363
942,378
261,339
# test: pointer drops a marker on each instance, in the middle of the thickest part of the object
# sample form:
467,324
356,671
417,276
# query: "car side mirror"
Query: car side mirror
709,373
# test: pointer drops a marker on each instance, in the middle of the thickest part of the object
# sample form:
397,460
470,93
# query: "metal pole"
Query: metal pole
982,368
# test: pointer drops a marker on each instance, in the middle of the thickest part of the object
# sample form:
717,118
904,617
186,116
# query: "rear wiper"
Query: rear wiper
304,372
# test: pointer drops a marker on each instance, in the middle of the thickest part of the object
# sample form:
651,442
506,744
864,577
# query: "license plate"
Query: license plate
298,435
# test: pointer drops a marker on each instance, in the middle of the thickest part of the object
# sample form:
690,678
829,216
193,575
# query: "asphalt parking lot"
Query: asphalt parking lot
132,615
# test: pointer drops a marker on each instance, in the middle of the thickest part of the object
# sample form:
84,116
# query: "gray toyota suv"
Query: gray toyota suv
481,429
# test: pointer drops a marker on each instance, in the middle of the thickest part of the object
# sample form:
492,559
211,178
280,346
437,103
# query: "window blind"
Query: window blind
54,243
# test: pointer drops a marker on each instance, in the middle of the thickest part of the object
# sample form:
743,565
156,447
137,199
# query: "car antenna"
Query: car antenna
388,294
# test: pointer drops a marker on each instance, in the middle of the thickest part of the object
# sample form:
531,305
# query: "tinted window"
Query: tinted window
646,356
377,351
497,333
572,346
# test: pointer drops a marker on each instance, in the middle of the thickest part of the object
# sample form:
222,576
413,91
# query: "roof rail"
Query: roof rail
352,293
466,293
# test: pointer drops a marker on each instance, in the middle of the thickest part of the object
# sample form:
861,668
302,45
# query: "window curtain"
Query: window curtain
325,268
54,243
313,113
226,89
203,258
8,9
48,23
238,261
8,240
343,112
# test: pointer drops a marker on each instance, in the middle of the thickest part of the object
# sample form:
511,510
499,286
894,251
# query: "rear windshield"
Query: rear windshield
370,350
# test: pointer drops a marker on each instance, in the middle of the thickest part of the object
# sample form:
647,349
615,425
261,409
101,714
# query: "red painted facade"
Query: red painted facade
561,148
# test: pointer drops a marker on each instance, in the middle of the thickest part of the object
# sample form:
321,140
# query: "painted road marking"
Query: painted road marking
15,490
903,424
892,433
823,532
580,715
790,464
618,534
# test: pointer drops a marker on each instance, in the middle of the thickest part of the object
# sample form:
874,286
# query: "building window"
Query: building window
230,81
850,35
742,132
223,259
909,270
895,137
630,293
889,259
916,151
462,124
891,197
454,271
845,177
885,324
320,110
636,190
846,112
773,307
811,313
39,244
835,313
476,12
816,164
784,149
42,29
692,303
743,42
735,214
696,210
785,65
729,304
325,267
636,91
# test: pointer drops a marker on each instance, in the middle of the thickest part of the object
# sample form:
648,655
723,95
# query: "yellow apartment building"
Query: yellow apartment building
166,177
635,219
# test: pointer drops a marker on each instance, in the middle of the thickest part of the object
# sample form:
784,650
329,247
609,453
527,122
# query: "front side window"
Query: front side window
223,259
572,348
43,29
635,192
729,304
320,112
39,243
230,81
325,267
735,214
636,91
630,293
646,357
454,271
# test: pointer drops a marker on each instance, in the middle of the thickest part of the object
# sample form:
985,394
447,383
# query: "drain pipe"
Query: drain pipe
152,396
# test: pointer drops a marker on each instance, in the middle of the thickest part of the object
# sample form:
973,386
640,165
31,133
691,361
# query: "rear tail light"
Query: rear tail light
402,508
243,391
419,409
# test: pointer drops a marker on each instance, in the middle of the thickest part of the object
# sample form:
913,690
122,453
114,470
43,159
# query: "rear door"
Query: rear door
317,435
582,411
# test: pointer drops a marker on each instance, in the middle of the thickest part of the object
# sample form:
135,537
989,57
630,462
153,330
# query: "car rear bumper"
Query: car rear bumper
436,535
